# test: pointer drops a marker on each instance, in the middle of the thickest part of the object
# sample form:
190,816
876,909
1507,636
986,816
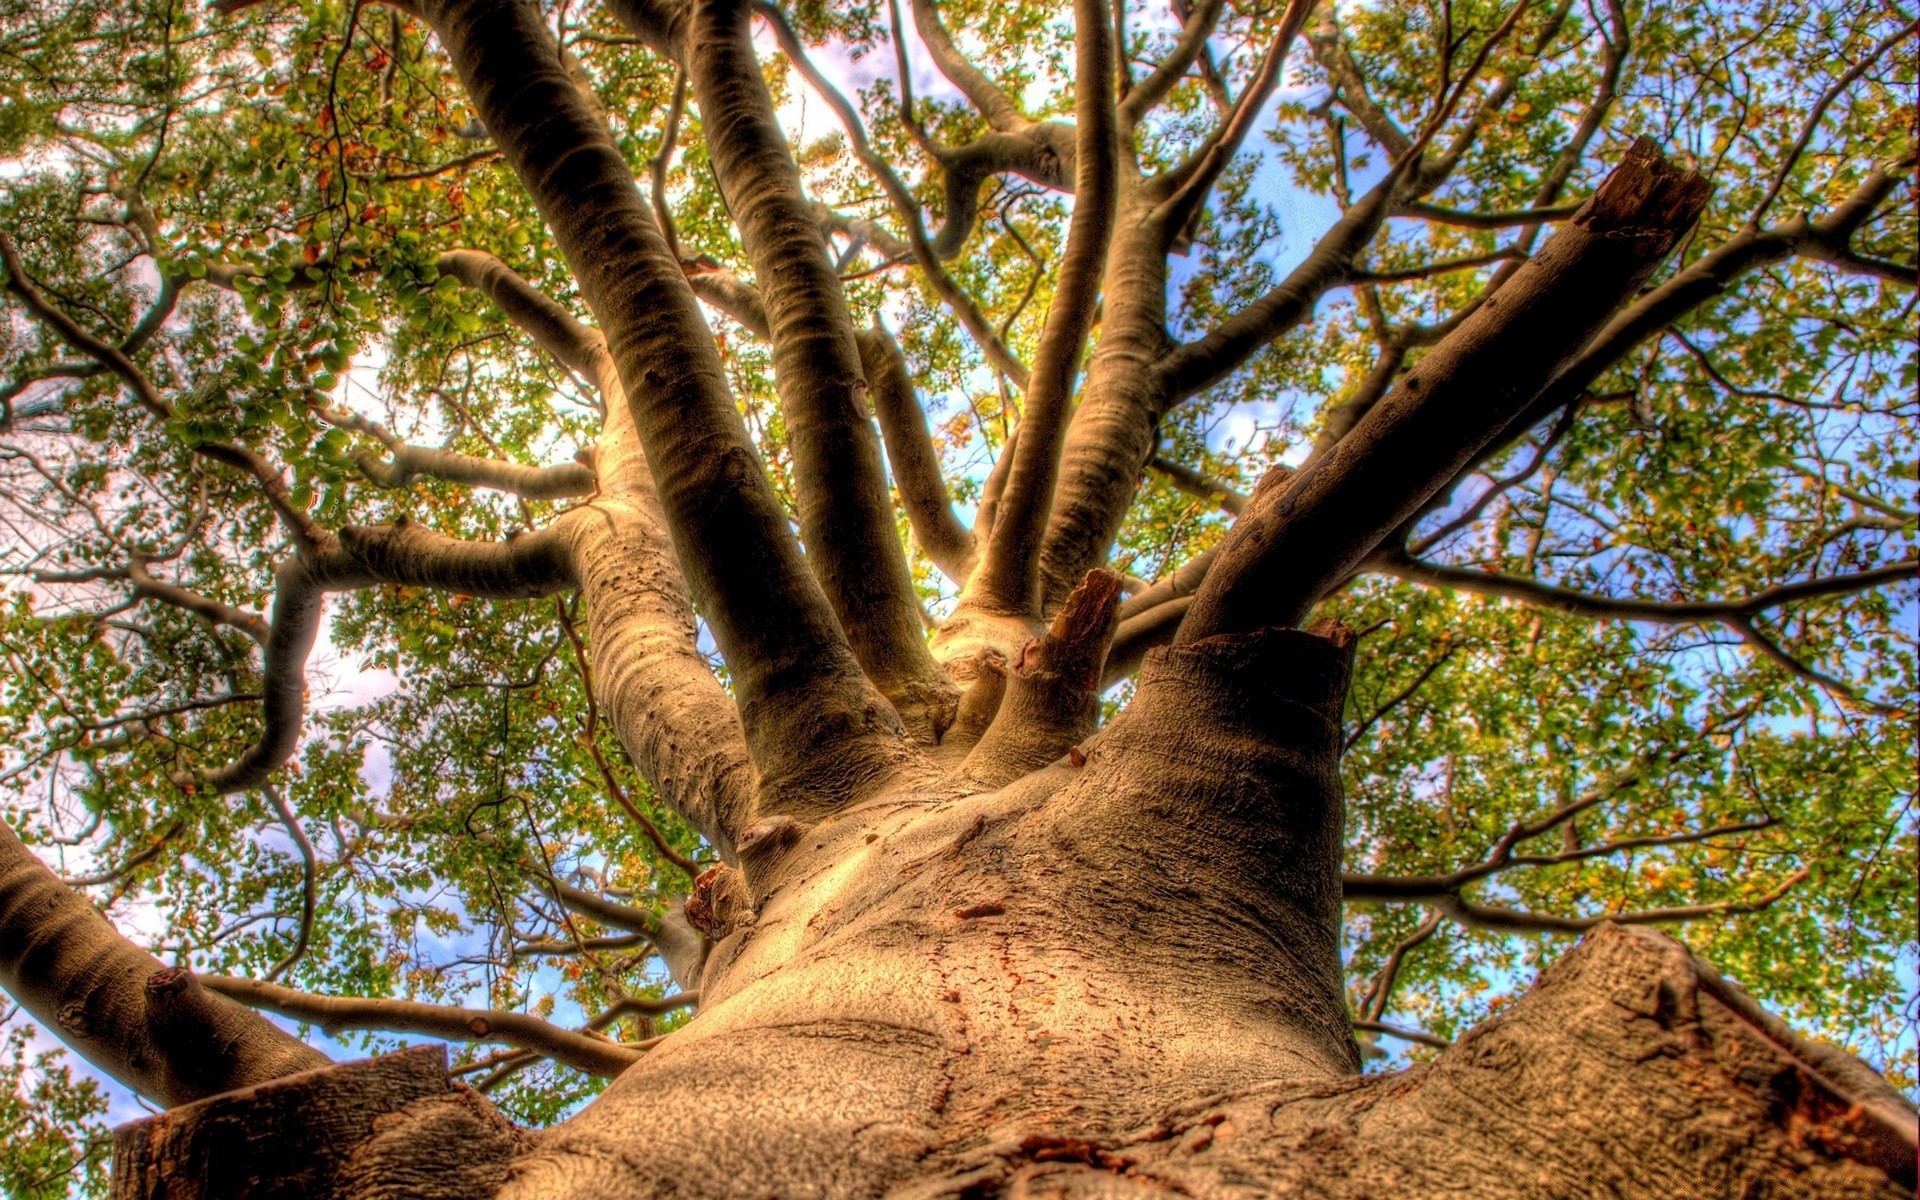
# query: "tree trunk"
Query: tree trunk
1122,977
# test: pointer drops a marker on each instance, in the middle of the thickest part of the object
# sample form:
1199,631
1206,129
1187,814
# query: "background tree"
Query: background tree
413,415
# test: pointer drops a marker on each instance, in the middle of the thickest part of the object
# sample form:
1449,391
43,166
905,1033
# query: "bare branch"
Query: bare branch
406,463
309,871
1001,112
583,1052
1147,93
1587,604
1486,220
1191,482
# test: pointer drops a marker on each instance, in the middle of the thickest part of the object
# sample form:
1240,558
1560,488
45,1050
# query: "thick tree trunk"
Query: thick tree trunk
1122,977
976,1052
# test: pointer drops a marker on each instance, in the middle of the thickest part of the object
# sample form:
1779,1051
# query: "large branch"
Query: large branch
404,553
1044,152
149,1027
1677,1082
846,520
817,729
915,462
583,1052
1280,560
1007,577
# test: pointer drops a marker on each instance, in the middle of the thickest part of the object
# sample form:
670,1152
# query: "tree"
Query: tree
1263,648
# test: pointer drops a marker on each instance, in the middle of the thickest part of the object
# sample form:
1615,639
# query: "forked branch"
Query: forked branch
1278,561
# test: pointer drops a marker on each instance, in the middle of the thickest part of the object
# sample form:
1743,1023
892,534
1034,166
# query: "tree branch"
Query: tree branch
1501,917
963,306
583,1052
1146,94
1052,694
1586,604
1192,483
1485,220
1007,578
404,553
406,463
1704,280
1193,180
148,1027
814,725
1001,112
549,324
1277,562
846,519
1195,366
1444,266
911,454
309,870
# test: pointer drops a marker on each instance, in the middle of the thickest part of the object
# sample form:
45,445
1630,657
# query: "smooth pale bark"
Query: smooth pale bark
818,730
845,519
1006,579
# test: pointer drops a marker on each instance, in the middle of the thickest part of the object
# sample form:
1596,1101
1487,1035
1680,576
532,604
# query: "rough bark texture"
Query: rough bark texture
385,1127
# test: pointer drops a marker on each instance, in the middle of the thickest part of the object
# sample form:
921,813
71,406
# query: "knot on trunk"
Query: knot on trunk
720,903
